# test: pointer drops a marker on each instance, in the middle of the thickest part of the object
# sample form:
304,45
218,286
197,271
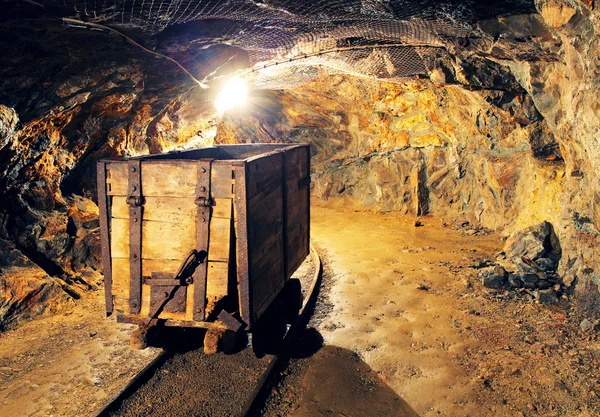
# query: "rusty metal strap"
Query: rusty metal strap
104,236
203,201
135,201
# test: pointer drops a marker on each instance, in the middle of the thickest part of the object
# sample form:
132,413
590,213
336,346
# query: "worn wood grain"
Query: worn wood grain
297,210
167,180
116,178
218,278
262,203
222,183
272,244
164,209
264,175
160,240
267,287
222,208
220,236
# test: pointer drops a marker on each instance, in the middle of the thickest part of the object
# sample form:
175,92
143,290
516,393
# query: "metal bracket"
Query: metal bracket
229,321
135,201
168,298
105,237
203,201
166,282
168,292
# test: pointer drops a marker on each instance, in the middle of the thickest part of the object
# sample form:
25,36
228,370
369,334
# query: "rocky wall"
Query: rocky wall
503,134
68,98
567,94
417,148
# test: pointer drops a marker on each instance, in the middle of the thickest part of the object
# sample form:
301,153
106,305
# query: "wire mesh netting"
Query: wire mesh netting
292,41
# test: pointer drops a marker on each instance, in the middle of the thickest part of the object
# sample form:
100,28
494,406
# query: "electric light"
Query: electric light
233,94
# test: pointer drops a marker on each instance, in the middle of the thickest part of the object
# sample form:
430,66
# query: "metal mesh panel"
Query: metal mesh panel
384,39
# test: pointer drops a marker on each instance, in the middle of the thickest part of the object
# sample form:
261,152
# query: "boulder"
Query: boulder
543,284
514,280
547,264
530,280
493,277
534,243
26,290
546,297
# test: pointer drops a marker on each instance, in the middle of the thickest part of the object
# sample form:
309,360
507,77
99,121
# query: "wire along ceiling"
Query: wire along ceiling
292,41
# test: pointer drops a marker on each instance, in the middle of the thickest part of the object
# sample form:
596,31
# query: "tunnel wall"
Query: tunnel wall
503,135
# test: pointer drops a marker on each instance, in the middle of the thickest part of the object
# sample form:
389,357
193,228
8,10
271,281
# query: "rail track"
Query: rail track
206,385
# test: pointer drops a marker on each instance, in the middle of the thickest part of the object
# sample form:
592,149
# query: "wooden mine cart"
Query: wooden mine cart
206,237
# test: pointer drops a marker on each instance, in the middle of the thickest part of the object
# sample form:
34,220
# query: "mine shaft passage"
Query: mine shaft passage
304,208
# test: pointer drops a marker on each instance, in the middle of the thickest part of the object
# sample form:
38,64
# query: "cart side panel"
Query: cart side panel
168,228
297,206
266,244
222,191
103,206
247,150
240,209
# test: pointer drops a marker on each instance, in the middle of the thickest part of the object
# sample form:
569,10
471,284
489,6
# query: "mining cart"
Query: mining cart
206,238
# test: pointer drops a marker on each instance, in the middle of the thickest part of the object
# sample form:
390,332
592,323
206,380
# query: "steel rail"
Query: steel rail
307,303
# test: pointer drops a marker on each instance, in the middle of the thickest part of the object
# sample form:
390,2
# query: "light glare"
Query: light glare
233,94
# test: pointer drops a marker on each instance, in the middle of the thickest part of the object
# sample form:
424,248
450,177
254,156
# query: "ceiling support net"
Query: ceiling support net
291,41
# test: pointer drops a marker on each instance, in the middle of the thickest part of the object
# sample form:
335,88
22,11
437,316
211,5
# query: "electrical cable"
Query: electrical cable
71,21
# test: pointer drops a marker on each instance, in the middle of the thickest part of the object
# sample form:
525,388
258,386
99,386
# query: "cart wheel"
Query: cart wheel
293,300
268,332
139,339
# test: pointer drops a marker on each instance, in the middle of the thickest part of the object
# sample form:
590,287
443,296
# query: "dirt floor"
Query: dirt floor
190,383
403,327
67,365
407,301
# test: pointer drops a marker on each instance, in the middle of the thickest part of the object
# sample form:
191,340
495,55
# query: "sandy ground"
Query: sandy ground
75,363
407,301
67,365
190,383
407,331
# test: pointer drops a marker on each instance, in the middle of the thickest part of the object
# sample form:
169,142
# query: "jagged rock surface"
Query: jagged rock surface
503,135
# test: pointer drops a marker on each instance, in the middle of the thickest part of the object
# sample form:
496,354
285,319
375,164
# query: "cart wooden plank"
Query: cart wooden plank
255,206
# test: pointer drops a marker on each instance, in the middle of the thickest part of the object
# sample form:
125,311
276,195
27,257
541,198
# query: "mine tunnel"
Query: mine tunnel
299,208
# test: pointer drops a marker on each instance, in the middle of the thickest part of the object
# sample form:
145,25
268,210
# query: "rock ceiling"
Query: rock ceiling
375,39
485,111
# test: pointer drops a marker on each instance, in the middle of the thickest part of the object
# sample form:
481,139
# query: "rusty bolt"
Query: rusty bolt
203,170
134,256
166,294
198,310
134,305
203,220
133,169
202,189
133,188
135,220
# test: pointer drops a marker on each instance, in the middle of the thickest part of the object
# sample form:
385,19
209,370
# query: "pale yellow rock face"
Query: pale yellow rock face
415,148
556,14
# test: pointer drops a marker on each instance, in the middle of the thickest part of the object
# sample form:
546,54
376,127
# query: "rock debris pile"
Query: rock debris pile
528,263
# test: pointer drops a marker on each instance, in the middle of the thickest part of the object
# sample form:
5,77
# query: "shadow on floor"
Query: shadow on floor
318,380
337,382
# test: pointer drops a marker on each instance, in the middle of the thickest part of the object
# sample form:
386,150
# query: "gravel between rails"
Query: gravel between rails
186,382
